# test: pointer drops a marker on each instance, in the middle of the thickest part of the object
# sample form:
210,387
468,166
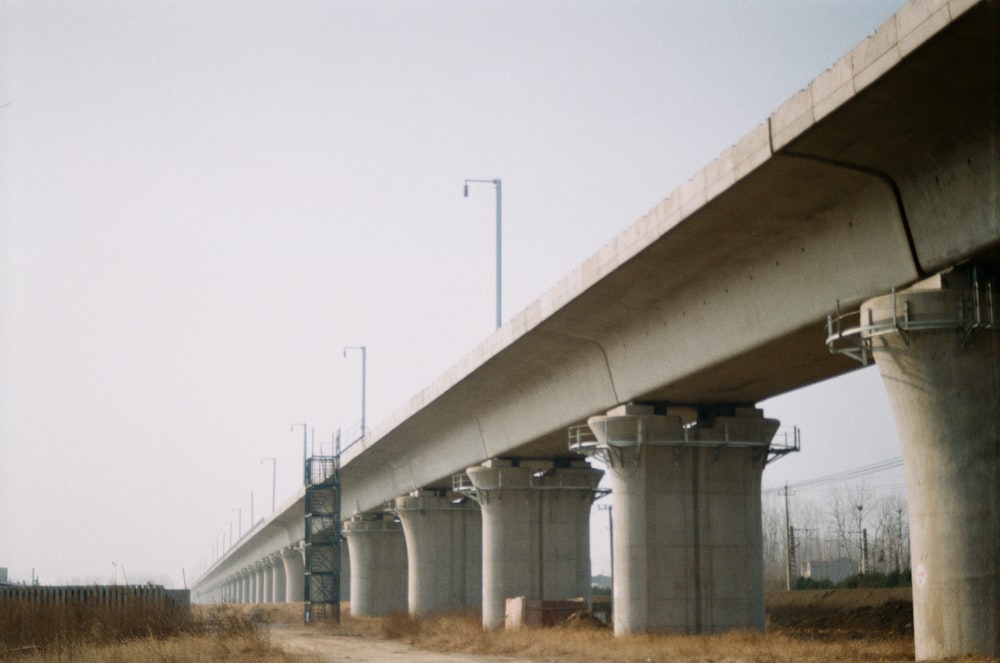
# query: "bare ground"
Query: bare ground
319,646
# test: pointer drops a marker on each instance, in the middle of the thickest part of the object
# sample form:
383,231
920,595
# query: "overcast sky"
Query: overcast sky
202,202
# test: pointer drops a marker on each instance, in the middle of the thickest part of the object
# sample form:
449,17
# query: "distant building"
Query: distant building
835,571
3,576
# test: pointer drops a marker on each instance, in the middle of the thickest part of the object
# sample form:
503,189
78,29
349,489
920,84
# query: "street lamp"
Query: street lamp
305,457
497,185
364,371
274,474
240,521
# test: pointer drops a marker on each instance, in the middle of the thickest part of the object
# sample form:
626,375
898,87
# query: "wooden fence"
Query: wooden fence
105,596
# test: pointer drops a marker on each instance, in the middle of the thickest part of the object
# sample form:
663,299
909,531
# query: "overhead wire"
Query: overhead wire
846,475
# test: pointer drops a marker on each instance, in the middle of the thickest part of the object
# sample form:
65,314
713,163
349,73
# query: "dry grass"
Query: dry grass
585,642
187,648
239,633
63,633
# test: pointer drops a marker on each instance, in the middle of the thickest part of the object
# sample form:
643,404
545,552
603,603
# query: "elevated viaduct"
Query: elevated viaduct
875,191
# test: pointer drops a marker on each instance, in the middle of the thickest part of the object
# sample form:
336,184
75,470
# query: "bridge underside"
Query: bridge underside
721,294
882,172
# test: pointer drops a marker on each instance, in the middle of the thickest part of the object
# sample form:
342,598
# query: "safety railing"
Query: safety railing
851,333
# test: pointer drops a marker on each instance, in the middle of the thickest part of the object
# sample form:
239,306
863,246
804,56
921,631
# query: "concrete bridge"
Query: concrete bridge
874,192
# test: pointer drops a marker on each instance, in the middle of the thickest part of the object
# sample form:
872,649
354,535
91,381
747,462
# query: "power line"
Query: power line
846,475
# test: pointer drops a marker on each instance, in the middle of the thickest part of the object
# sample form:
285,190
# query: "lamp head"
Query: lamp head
465,193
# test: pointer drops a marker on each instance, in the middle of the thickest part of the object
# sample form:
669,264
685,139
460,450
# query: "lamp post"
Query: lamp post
239,520
305,457
364,372
274,474
497,185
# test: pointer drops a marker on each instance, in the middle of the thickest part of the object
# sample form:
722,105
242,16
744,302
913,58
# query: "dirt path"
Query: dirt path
318,647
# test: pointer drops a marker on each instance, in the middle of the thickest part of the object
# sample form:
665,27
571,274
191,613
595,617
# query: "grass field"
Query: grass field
139,632
849,626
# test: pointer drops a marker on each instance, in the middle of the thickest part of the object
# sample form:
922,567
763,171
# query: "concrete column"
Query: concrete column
536,532
378,565
942,375
345,572
267,573
444,551
688,551
257,583
278,581
291,559
244,586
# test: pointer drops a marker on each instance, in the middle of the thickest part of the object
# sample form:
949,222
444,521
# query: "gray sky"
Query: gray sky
203,202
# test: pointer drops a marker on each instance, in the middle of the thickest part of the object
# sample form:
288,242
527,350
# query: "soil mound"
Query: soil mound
858,613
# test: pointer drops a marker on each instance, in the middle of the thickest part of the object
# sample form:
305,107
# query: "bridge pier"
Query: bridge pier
267,573
536,531
278,578
243,587
685,491
378,565
291,560
444,551
252,572
940,362
262,581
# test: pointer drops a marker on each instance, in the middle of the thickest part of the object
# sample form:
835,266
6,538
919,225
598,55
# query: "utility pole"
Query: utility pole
862,542
789,545
864,552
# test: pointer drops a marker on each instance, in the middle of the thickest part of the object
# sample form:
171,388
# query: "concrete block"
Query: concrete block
521,612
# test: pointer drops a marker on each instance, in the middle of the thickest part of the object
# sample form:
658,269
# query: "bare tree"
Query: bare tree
849,505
